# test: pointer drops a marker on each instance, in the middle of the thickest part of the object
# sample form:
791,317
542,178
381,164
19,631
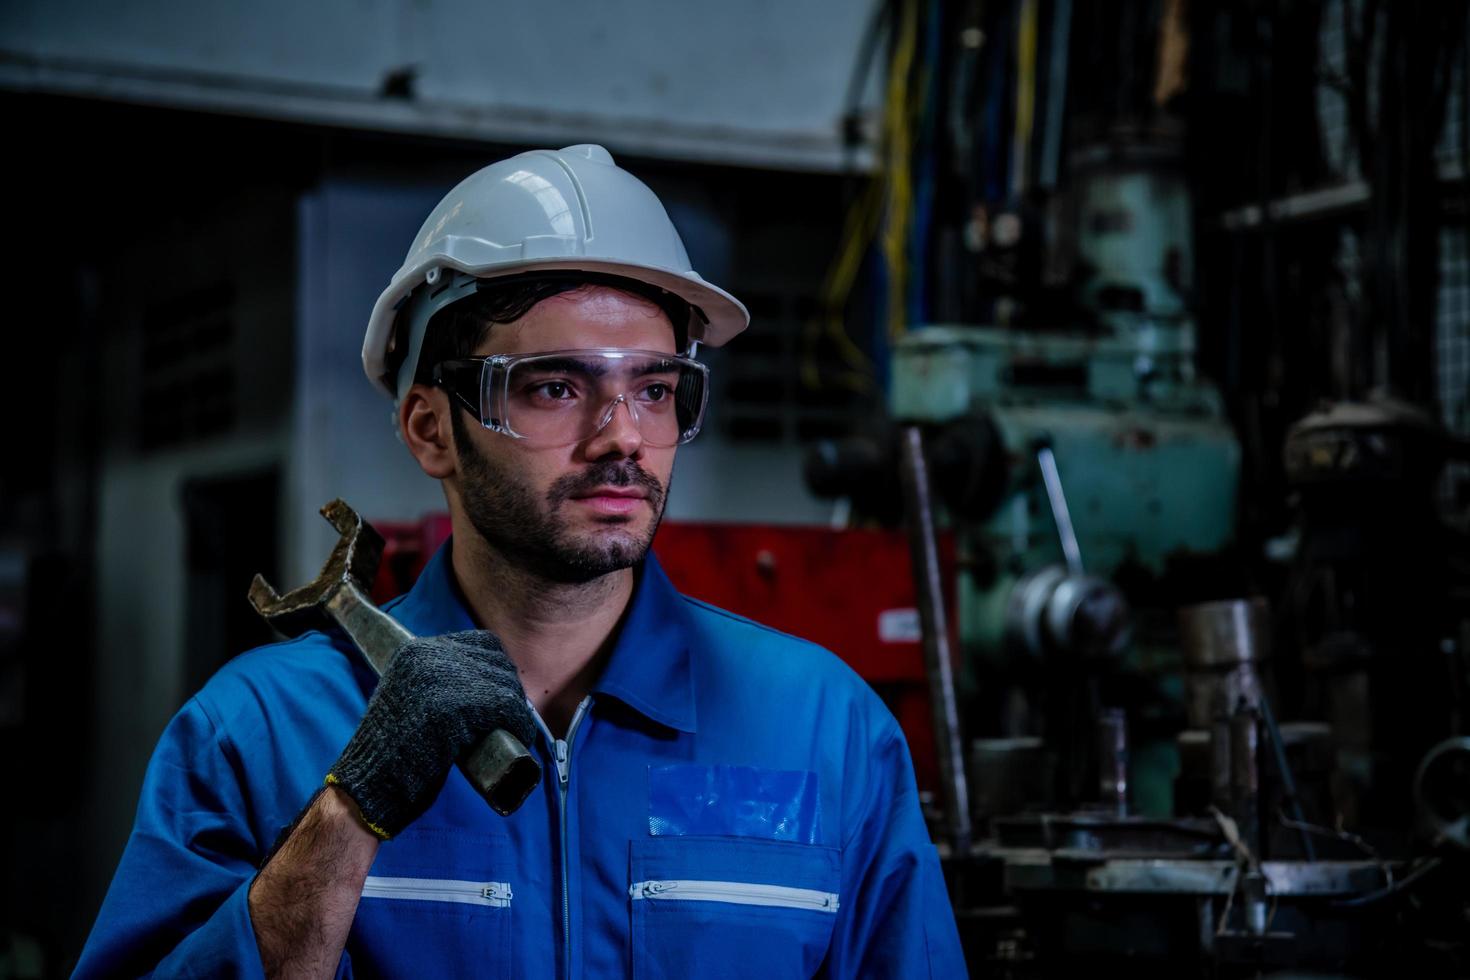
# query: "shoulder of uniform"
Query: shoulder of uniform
741,631
773,652
304,651
303,668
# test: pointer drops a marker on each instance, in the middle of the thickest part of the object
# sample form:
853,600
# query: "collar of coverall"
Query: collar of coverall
649,669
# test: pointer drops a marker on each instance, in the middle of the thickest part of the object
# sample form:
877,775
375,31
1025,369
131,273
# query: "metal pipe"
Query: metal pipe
1059,511
1221,792
1245,775
1288,780
1112,760
929,589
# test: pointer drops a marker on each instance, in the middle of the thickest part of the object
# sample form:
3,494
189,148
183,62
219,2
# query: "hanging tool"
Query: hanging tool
499,766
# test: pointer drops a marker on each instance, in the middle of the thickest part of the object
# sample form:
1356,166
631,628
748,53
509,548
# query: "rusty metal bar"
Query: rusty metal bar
924,554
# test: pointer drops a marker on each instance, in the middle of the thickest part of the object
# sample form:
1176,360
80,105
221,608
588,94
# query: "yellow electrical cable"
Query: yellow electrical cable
885,203
900,177
858,231
1025,93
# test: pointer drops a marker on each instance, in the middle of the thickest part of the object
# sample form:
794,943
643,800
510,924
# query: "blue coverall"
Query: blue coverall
730,801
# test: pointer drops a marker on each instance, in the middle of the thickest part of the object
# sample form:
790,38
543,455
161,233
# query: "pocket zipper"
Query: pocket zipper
493,893
735,892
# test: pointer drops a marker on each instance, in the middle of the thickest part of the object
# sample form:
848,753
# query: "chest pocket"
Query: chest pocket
436,903
726,907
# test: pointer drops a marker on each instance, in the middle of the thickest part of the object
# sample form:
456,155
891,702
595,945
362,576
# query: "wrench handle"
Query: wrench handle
499,767
376,634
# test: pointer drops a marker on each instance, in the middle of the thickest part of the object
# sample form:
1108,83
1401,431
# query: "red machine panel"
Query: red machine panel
848,590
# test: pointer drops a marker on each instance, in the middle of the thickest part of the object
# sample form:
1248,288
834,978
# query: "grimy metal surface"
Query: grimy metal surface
1226,645
1039,870
499,766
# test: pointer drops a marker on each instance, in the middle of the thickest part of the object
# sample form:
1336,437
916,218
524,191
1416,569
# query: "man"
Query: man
717,798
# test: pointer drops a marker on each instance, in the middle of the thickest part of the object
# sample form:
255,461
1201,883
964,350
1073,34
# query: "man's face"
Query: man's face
575,513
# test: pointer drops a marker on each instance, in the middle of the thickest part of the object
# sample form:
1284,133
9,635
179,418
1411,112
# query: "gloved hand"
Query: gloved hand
437,698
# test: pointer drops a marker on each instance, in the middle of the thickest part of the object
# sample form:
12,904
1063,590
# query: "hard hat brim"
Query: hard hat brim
724,315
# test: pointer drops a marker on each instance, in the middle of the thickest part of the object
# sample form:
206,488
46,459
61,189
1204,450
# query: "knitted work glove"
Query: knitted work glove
437,698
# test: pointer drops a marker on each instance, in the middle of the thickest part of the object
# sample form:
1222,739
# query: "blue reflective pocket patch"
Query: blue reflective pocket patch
734,801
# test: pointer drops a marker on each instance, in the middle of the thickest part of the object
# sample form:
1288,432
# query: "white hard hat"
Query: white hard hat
545,209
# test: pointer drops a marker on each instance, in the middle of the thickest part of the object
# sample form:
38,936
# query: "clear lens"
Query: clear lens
562,397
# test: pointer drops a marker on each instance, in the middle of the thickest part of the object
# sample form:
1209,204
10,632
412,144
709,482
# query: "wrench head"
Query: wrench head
353,562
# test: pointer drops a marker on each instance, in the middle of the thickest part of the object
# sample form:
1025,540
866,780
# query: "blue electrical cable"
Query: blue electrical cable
999,97
917,306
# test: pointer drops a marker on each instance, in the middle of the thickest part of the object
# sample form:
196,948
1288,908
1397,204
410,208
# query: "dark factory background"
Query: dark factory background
1171,589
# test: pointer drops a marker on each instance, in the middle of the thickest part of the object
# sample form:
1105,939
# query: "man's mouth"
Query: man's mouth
611,500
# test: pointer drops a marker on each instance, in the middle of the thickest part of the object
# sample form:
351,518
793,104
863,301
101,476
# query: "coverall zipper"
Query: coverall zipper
493,893
734,893
562,752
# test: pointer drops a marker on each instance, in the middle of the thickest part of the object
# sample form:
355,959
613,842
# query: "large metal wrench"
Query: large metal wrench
499,766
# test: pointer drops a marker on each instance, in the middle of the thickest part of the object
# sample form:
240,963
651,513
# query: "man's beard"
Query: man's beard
506,514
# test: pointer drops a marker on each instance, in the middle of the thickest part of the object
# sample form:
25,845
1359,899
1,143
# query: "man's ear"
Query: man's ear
423,418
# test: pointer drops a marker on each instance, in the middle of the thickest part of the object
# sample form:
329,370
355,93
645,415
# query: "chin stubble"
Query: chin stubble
535,534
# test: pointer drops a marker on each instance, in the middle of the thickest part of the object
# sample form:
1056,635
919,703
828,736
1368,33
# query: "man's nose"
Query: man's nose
618,434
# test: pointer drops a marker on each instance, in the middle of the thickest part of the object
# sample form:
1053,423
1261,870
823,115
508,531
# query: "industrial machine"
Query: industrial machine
1090,481
1127,788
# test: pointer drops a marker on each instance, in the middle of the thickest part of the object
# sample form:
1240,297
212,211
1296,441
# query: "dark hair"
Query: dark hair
457,330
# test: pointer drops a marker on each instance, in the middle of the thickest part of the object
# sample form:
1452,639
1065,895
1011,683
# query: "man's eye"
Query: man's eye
553,390
656,392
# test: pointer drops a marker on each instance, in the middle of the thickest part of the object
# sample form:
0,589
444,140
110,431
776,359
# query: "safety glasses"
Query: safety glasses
558,398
